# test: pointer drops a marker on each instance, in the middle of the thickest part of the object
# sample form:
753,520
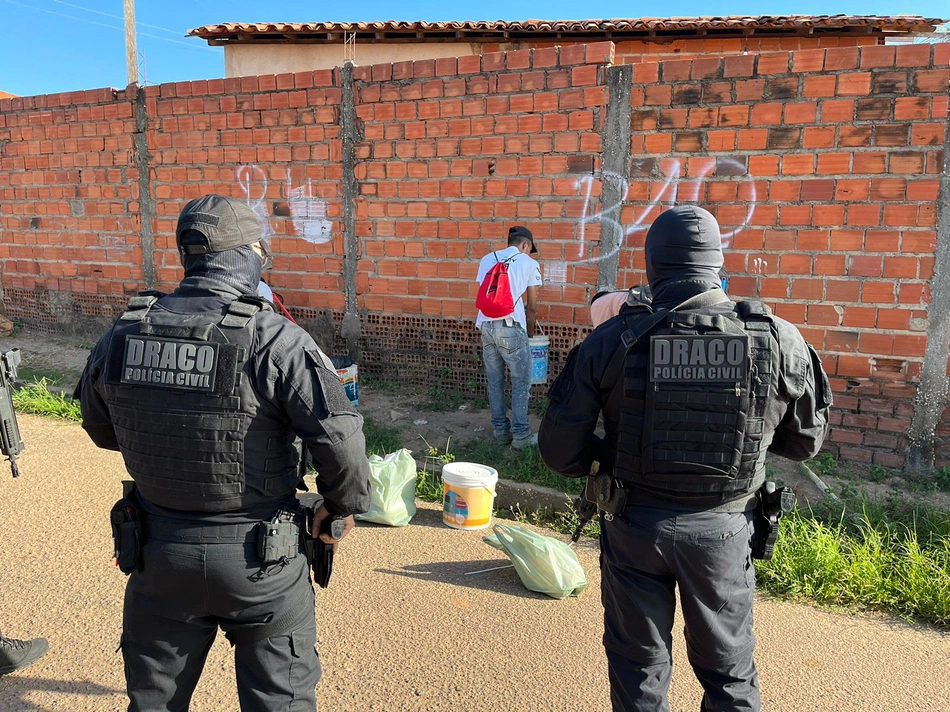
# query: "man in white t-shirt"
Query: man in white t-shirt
505,339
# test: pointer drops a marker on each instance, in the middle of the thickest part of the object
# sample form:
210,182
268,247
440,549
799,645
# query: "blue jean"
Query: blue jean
647,552
503,345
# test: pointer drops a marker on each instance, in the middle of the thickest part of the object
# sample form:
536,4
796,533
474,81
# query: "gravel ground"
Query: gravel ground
401,627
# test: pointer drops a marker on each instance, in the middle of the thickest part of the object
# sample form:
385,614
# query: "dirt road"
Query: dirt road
401,626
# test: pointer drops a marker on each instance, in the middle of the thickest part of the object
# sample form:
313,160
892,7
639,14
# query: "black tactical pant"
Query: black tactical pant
203,578
646,552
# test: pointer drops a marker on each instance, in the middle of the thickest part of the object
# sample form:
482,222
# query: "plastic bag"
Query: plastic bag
545,564
392,482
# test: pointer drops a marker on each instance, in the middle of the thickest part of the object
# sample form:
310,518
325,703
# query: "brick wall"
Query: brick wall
822,166
659,50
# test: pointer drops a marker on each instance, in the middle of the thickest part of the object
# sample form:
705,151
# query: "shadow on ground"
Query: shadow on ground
16,688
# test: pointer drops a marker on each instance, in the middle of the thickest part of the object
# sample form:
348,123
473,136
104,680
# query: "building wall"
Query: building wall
381,193
241,60
245,60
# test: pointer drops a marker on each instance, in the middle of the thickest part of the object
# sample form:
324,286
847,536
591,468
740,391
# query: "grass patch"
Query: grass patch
442,398
376,383
888,556
517,465
37,399
824,464
51,376
381,439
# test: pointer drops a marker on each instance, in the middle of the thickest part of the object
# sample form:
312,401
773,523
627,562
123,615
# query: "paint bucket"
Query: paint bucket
349,376
468,495
538,346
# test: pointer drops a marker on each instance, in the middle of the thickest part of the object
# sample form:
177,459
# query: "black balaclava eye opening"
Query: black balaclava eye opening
239,267
683,244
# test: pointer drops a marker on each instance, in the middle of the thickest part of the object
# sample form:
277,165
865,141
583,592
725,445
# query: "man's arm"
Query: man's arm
801,432
531,309
566,438
95,412
323,417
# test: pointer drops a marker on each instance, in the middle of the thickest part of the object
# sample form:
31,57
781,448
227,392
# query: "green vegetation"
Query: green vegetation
381,384
51,376
561,522
37,399
824,464
442,399
889,556
381,439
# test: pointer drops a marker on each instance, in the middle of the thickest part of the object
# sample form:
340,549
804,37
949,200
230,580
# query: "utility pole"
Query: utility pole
131,55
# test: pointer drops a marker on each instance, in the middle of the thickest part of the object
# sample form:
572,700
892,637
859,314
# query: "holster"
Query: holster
319,555
771,505
606,493
126,521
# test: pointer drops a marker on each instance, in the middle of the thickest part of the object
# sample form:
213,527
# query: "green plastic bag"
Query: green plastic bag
392,482
545,564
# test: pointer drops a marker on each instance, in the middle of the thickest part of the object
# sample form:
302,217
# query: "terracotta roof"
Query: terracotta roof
527,29
6,95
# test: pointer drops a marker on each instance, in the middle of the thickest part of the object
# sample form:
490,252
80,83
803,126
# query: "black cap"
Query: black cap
522,231
225,223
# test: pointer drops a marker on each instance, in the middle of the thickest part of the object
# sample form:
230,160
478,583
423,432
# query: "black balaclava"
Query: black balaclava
683,247
239,267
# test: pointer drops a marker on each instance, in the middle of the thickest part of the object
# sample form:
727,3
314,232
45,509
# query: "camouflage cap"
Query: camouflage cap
225,223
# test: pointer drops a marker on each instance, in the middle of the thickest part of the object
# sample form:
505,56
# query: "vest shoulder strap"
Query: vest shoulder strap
756,315
243,309
140,304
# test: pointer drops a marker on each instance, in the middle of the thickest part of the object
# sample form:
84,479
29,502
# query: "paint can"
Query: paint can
538,347
468,495
348,373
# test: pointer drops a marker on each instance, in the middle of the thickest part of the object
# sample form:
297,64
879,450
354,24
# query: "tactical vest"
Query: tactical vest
181,407
696,387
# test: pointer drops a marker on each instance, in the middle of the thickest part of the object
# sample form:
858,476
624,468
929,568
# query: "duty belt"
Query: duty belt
189,531
640,496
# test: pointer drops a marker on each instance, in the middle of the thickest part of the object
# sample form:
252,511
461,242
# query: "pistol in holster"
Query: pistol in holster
772,504
319,552
126,520
601,493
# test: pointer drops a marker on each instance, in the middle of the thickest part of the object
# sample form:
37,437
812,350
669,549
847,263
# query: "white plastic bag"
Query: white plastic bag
544,564
392,482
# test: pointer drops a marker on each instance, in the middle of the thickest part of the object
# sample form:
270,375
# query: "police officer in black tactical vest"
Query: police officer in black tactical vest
205,392
695,390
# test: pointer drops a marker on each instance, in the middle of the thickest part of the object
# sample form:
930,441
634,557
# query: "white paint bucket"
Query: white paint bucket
468,495
538,346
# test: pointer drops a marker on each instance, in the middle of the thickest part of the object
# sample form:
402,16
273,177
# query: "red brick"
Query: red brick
819,86
854,84
808,60
773,63
839,59
881,56
739,66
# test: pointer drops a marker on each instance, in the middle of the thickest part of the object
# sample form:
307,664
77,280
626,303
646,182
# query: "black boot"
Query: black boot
17,654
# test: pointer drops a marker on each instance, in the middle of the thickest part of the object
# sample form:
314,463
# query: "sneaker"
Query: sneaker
17,654
503,438
525,443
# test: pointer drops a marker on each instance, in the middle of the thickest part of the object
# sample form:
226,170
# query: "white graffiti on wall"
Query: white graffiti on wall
307,213
675,189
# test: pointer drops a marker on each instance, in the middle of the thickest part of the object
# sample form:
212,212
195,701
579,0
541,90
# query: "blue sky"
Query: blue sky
64,45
